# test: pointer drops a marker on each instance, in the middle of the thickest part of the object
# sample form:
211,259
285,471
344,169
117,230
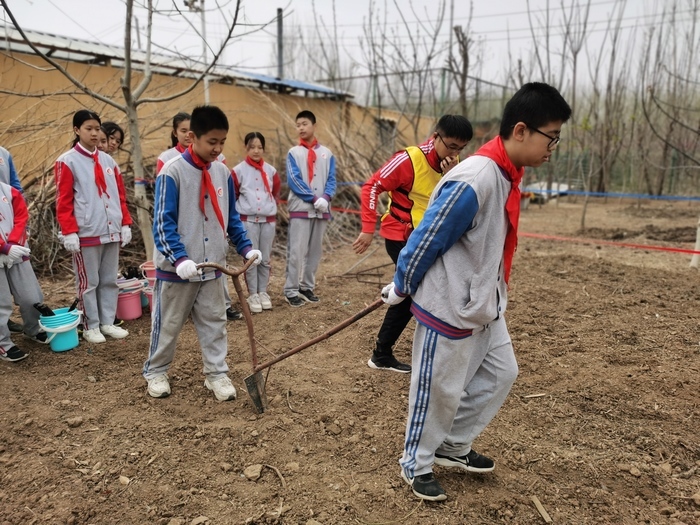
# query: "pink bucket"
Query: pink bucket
129,305
148,270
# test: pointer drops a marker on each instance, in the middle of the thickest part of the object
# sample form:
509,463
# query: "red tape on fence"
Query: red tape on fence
608,243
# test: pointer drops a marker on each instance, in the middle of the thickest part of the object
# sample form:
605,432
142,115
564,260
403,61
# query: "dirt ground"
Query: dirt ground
602,425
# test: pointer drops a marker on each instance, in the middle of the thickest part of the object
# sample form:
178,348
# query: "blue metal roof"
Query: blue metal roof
76,50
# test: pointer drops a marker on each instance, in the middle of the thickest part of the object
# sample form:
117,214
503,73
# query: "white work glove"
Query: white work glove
389,295
5,261
254,253
187,270
321,205
71,242
126,235
16,253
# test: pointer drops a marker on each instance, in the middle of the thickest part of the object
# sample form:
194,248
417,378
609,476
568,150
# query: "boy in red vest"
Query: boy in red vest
410,177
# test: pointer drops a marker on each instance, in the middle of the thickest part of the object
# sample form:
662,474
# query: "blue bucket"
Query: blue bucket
62,332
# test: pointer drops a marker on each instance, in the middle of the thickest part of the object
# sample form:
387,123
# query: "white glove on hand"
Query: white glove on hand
321,205
16,253
126,235
5,261
254,253
389,295
71,242
187,270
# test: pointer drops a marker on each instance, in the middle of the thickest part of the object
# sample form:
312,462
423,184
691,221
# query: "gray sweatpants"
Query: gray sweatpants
96,269
262,235
173,302
20,283
304,250
457,386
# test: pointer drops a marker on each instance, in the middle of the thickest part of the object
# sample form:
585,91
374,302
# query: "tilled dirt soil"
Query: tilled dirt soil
602,425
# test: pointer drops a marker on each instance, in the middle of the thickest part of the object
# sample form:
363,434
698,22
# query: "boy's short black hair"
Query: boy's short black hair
536,104
308,115
207,118
455,127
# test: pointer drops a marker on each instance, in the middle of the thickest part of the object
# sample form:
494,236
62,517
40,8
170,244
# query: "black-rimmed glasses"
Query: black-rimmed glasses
553,141
455,148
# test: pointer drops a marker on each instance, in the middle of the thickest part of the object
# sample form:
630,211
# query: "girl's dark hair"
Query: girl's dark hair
177,120
254,135
80,117
110,128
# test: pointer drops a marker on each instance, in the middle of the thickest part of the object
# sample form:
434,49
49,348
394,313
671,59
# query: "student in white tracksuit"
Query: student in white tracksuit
92,214
8,175
257,191
456,266
17,279
179,137
311,180
194,215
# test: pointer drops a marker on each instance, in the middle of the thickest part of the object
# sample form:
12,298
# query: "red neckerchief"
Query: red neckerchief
99,175
311,158
207,187
496,151
259,166
180,148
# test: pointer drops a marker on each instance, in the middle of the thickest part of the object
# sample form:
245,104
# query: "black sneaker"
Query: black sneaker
15,328
308,296
295,302
388,363
118,322
81,327
233,315
472,462
38,338
13,354
425,487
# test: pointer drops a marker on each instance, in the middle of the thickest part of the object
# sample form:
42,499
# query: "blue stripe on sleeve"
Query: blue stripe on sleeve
295,181
330,183
14,179
165,234
447,218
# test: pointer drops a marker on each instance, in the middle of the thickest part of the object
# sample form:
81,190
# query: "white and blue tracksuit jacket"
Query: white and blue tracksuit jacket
452,264
180,229
303,194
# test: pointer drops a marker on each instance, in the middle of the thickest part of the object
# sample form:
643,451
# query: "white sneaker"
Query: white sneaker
114,332
222,388
254,304
94,336
159,386
265,301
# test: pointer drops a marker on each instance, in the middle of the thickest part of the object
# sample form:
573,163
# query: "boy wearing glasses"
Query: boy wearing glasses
456,267
410,177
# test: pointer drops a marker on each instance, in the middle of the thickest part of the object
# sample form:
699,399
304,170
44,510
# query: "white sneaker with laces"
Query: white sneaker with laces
94,336
114,332
222,387
159,386
265,301
254,304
